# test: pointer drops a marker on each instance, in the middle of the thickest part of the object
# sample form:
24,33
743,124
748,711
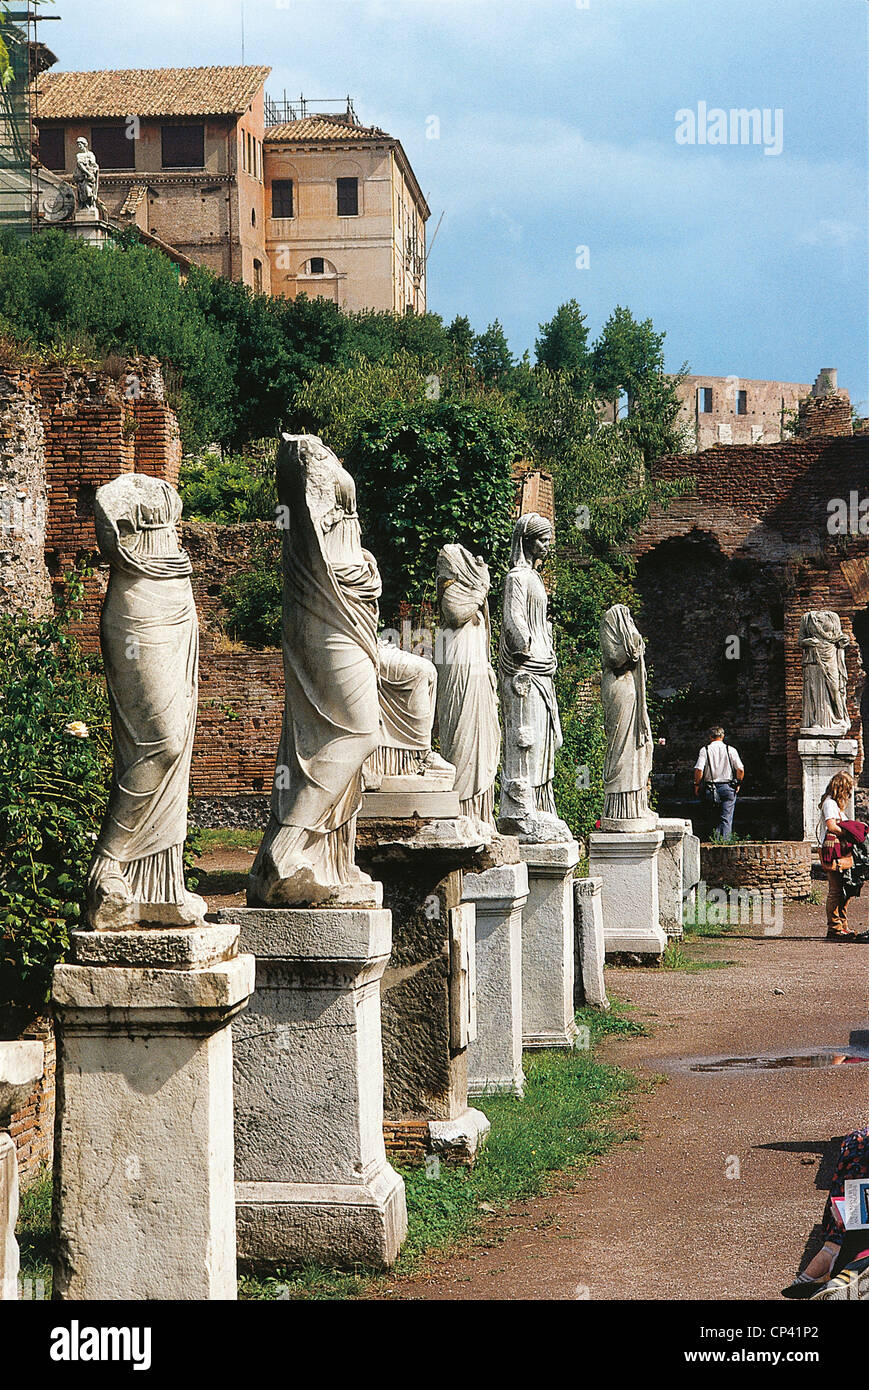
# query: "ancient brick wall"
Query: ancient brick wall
784,864
741,556
32,1127
24,582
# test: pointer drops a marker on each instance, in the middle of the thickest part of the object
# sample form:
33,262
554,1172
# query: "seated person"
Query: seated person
840,1246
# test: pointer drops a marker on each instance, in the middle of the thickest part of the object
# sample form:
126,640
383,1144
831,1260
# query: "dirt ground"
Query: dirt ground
660,1218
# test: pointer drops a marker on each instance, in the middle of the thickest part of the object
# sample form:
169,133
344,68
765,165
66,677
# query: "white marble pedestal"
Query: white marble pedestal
144,1206
495,1055
627,862
548,945
822,757
313,1182
590,943
20,1068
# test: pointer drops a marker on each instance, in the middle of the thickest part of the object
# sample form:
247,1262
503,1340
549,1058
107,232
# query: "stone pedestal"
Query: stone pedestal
590,945
143,1184
548,946
495,1056
628,865
20,1068
690,875
428,988
672,873
822,758
313,1182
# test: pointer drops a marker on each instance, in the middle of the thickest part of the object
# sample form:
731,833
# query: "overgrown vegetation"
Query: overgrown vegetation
55,763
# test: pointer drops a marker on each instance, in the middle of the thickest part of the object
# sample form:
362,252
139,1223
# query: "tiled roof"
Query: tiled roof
323,128
149,92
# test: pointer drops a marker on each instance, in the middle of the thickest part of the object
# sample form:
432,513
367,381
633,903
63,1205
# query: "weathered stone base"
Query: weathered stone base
144,1203
822,758
548,946
495,1056
671,873
456,1142
313,1179
628,865
20,1066
590,988
345,1223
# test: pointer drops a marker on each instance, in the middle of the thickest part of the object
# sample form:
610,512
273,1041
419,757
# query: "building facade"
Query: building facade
316,204
732,410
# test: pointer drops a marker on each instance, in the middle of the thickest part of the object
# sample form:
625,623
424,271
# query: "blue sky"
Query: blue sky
557,131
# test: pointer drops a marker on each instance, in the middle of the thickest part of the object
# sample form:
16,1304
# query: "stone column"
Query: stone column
590,945
20,1068
495,1056
548,945
144,1204
671,873
822,758
627,861
428,990
313,1180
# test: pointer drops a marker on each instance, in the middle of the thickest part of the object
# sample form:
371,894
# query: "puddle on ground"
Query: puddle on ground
768,1061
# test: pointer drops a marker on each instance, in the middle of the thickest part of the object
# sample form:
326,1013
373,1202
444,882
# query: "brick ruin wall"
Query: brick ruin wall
743,555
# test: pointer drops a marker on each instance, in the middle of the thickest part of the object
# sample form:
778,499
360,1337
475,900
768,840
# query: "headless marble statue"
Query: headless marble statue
825,675
628,761
331,724
467,703
149,637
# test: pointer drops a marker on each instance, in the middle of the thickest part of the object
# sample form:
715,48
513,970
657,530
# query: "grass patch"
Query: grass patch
569,1117
34,1230
676,958
227,837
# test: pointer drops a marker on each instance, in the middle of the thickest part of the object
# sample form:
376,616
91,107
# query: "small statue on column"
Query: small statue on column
86,176
825,675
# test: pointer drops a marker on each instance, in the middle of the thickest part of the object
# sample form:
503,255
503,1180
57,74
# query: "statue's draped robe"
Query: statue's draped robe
526,651
149,637
407,708
331,713
467,706
628,760
825,678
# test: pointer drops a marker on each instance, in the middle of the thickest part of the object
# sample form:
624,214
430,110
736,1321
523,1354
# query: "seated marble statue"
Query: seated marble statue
628,761
407,685
331,723
825,675
149,637
526,667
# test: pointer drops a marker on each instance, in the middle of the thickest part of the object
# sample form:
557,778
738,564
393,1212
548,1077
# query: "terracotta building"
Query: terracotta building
313,203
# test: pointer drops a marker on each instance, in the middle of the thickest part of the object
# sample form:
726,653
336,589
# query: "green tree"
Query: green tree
461,336
492,356
563,342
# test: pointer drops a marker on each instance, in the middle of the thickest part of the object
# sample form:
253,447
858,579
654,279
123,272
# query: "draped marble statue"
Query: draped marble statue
407,684
628,761
467,703
825,677
149,636
331,723
526,666
86,176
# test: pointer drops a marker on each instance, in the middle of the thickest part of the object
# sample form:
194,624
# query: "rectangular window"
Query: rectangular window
742,402
282,198
183,146
112,148
318,266
258,277
52,147
704,394
348,197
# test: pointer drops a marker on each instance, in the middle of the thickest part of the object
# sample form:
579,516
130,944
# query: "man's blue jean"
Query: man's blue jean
726,803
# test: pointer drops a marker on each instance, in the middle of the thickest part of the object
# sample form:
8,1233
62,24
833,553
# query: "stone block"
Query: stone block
144,1199
313,1179
548,945
590,944
495,1056
21,1066
671,873
821,759
628,865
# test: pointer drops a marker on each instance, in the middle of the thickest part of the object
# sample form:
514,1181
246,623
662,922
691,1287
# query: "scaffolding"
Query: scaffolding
280,111
28,57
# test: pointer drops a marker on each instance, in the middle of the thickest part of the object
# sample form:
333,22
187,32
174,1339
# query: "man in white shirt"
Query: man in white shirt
719,765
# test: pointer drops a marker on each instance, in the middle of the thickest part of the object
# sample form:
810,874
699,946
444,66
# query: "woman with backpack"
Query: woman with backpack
836,854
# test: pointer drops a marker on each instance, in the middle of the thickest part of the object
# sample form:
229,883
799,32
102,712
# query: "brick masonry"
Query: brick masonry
784,864
32,1127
